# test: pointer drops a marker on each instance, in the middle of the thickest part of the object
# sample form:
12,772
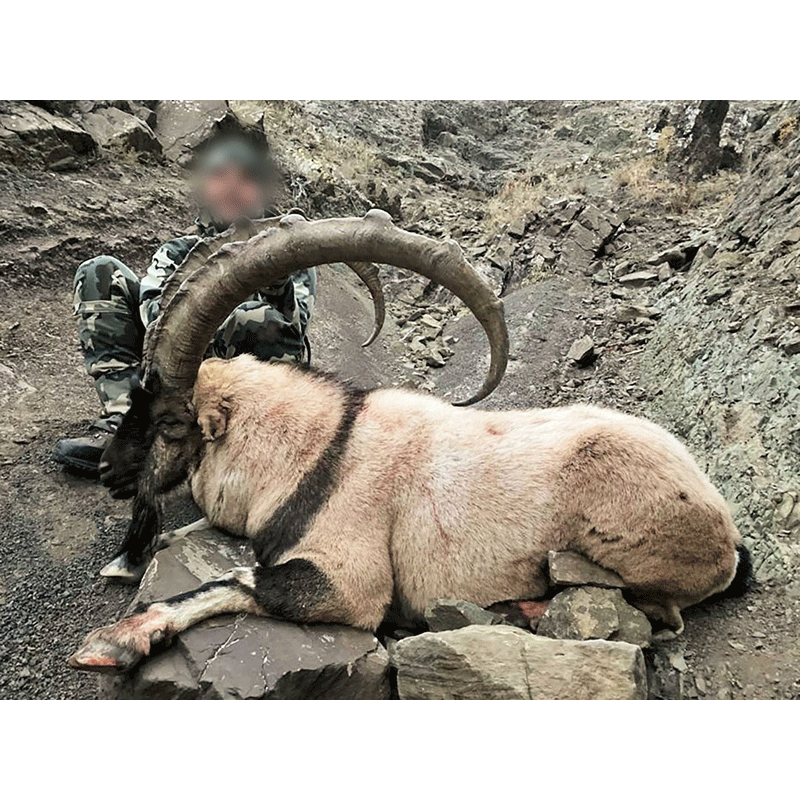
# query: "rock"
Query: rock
581,612
435,124
435,359
634,626
500,662
664,680
114,129
590,612
792,236
145,111
35,209
447,139
541,248
665,272
632,313
501,252
637,279
572,569
249,112
517,228
240,657
428,171
602,277
582,351
431,322
790,344
182,125
716,292
704,154
447,615
26,129
673,257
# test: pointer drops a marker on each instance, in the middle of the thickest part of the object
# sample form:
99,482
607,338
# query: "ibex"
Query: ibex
363,504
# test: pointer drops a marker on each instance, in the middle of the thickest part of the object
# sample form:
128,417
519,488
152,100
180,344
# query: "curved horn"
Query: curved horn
245,229
371,279
177,340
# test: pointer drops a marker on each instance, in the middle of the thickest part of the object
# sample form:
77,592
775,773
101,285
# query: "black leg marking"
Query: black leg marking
288,524
194,594
295,591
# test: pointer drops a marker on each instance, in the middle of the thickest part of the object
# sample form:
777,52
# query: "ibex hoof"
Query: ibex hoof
99,655
120,569
119,647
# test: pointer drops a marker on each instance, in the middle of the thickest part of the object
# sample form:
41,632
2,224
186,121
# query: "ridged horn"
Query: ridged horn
177,341
245,229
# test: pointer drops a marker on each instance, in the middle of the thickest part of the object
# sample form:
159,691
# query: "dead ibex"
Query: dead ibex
363,504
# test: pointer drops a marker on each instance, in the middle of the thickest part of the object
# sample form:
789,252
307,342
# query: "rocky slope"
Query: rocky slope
627,281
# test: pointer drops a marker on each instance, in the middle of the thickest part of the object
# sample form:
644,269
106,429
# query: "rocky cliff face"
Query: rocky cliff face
724,355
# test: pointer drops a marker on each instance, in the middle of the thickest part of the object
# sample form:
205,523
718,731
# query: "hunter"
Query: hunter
114,307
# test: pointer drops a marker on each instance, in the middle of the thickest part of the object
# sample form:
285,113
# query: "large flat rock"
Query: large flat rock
182,125
504,663
242,656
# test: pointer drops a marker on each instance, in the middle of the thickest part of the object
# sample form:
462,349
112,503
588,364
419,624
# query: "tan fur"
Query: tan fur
437,501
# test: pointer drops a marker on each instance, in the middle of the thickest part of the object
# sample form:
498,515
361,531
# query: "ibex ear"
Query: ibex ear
213,420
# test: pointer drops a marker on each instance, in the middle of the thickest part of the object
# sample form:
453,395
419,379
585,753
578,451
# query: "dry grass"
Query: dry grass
787,129
531,191
519,196
665,143
646,183
311,149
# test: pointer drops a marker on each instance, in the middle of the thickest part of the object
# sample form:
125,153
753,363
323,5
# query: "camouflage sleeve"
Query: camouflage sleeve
271,324
166,258
294,301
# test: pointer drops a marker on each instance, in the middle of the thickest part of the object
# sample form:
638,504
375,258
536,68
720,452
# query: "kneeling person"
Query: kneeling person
114,307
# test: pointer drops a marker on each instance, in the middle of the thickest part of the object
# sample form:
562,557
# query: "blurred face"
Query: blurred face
228,193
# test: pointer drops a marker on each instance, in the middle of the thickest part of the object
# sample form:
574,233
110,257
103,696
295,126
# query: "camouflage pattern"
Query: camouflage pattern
106,301
114,308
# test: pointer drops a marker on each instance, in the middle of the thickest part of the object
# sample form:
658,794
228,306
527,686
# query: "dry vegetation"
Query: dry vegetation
787,129
530,191
648,182
311,149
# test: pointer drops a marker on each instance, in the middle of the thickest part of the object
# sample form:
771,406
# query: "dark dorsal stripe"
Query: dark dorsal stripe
293,519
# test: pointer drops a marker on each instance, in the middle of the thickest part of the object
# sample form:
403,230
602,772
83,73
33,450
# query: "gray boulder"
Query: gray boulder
246,657
182,125
115,129
505,663
582,351
28,132
572,569
447,615
589,612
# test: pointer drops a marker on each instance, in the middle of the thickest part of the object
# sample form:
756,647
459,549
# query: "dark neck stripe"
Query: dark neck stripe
293,519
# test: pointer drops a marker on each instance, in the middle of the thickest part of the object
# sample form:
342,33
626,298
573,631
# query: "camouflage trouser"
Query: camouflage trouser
106,302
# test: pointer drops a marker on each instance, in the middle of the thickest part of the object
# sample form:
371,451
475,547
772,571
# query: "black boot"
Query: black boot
83,453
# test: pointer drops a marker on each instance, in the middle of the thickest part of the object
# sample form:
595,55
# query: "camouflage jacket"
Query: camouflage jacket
284,308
